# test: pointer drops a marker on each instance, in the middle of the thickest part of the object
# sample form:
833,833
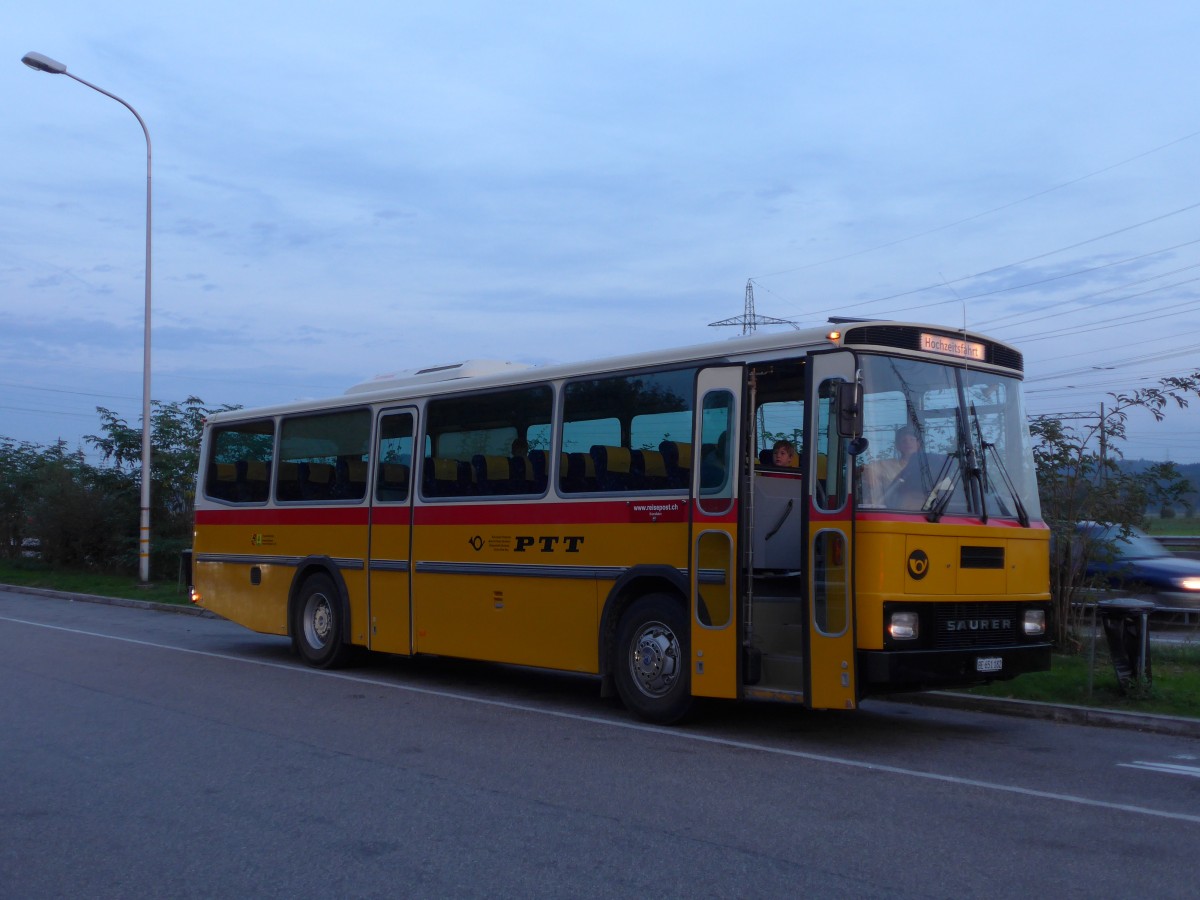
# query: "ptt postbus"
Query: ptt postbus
626,518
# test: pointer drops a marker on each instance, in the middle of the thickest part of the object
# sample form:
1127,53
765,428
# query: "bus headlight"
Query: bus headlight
1035,622
904,626
1191,583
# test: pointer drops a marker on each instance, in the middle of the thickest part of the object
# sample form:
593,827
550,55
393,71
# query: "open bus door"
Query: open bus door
716,443
830,677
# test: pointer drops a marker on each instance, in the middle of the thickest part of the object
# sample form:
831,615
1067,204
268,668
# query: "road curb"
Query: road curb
1057,712
177,609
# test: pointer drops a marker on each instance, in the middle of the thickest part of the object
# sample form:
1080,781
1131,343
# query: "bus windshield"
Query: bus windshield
945,440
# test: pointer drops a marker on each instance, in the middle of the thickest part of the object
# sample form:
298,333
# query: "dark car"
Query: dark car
1138,564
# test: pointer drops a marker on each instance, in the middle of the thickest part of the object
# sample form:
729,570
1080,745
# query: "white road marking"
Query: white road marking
1166,768
671,733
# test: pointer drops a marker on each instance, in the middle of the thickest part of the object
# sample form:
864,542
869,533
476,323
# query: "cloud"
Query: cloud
389,185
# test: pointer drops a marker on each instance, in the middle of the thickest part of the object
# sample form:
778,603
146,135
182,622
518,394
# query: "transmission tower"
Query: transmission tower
749,319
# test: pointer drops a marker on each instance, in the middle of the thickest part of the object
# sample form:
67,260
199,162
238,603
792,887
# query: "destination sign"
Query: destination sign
937,343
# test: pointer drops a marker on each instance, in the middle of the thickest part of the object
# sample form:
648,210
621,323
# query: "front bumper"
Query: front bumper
889,671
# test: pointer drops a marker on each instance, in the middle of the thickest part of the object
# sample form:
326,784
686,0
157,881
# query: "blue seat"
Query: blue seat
677,457
648,470
393,482
577,472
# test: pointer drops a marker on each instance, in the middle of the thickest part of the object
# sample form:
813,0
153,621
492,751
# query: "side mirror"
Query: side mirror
857,445
849,409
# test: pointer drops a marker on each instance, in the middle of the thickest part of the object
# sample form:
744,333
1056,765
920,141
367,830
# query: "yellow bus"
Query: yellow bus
630,518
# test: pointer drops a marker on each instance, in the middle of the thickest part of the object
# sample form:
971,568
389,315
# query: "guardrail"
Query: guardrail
1173,613
1180,541
1180,544
1187,616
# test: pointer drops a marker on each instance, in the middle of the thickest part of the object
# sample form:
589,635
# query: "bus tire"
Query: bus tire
651,662
318,628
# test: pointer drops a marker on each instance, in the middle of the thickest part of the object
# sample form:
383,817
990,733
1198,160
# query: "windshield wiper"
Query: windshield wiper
967,469
943,489
979,471
1022,514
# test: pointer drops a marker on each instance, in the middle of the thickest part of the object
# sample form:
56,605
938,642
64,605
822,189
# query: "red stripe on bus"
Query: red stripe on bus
391,515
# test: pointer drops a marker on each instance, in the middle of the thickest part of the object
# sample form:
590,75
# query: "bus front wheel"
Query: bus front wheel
318,628
651,664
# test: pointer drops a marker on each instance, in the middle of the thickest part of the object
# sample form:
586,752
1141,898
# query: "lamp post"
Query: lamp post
54,67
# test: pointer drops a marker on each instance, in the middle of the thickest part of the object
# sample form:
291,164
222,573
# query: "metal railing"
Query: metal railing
1179,541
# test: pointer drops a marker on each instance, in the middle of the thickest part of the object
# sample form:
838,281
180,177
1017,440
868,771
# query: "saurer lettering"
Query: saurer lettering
979,625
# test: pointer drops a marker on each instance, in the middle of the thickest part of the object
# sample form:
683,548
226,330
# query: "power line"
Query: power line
989,322
1038,318
51,390
50,412
1117,321
1117,364
988,212
1012,265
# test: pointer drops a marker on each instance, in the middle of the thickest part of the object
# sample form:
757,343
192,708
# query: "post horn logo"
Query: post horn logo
918,564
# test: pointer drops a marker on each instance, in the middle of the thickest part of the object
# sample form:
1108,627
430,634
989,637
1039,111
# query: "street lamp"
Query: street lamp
54,67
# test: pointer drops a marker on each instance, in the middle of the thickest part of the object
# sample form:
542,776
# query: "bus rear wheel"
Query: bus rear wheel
318,629
651,661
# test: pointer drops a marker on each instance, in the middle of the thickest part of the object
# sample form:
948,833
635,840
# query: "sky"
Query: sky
342,192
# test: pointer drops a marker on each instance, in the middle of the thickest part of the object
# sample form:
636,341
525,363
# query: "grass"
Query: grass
1179,525
1175,687
34,573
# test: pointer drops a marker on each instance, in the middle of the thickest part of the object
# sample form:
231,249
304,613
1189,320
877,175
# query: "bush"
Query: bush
81,516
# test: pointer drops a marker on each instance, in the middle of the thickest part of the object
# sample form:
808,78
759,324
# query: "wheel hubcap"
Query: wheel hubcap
318,620
654,659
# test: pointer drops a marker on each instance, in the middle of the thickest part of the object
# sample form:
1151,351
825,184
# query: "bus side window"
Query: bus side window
394,454
483,444
623,434
716,467
240,457
315,452
829,481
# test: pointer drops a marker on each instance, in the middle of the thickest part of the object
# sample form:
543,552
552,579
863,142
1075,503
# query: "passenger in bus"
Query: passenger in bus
784,455
897,482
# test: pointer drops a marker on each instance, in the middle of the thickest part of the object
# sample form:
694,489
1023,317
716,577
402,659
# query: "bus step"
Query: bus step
775,597
763,693
782,672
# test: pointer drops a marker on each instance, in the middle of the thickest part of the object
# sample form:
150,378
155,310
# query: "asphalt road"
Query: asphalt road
148,754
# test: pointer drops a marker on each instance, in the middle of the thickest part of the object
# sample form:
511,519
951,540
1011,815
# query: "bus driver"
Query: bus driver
897,482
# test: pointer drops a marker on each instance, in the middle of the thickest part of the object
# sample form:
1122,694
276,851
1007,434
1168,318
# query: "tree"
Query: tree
176,429
1079,480
18,486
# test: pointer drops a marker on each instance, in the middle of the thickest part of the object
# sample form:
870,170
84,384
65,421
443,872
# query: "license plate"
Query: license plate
989,664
